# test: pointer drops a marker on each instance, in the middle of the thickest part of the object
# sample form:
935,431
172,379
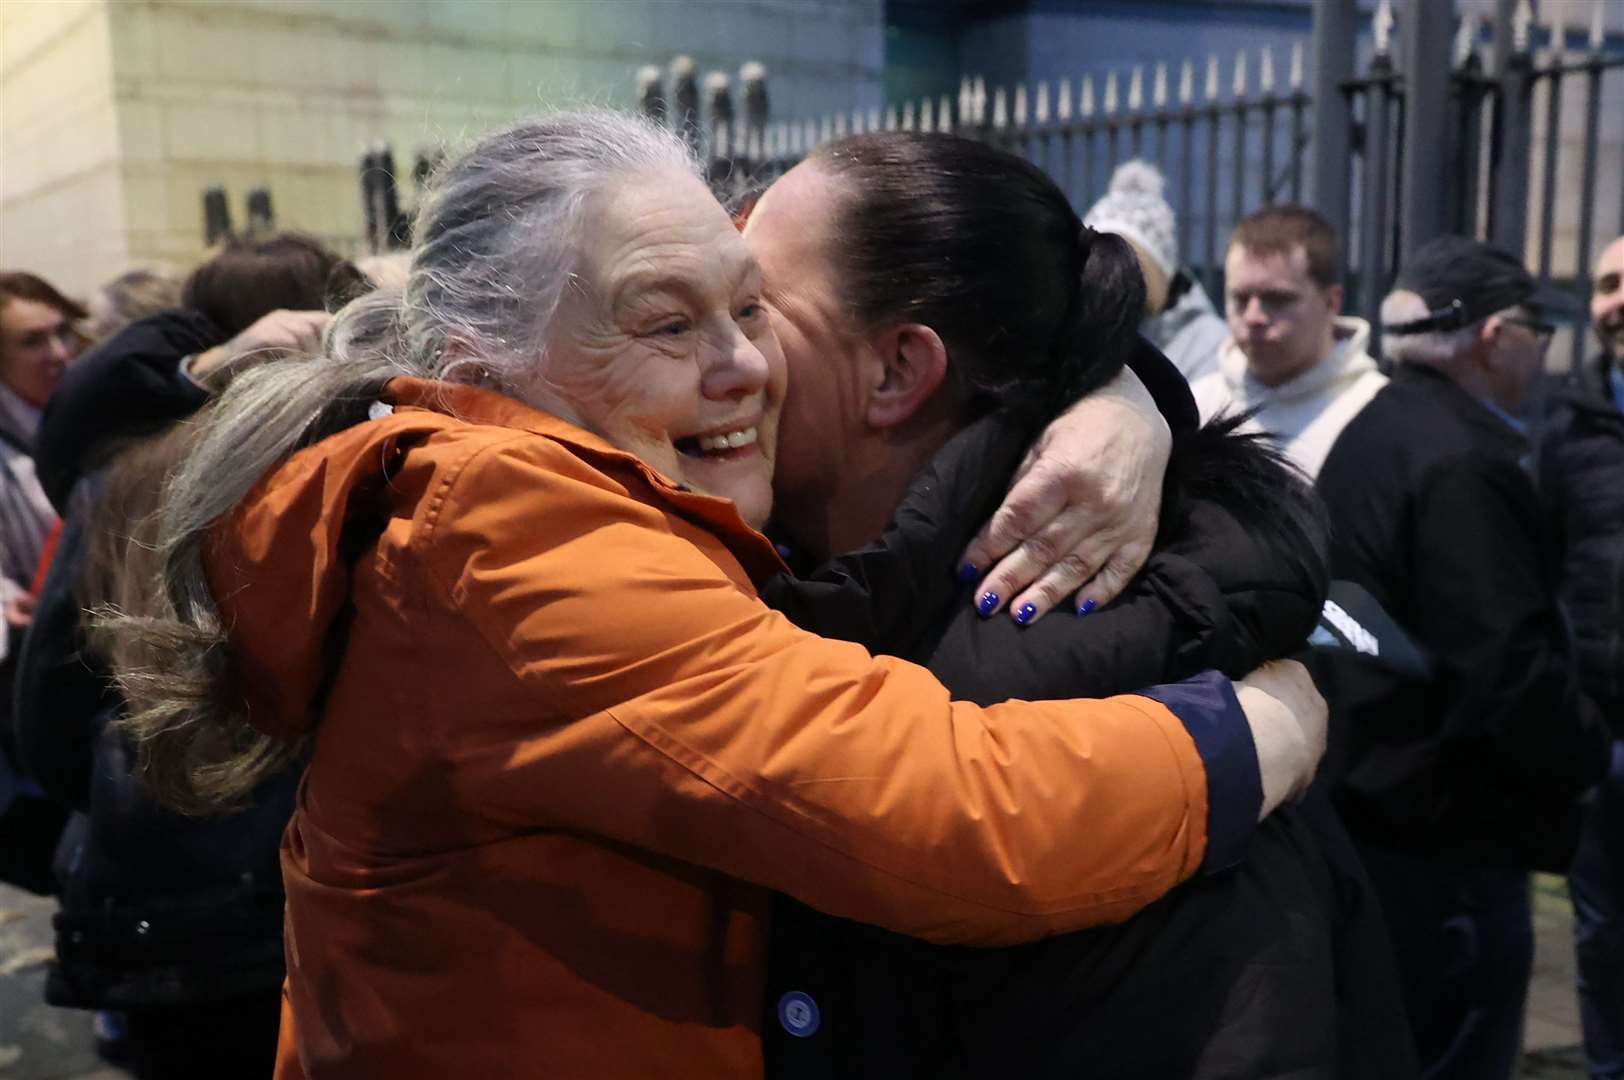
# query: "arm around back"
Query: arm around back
712,730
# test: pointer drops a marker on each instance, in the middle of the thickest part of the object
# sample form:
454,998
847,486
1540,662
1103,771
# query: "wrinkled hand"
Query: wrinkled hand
280,331
1289,729
1081,516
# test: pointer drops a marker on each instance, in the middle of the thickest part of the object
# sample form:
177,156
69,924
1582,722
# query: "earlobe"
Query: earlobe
913,365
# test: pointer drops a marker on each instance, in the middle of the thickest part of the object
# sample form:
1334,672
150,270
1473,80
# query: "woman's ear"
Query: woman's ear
912,366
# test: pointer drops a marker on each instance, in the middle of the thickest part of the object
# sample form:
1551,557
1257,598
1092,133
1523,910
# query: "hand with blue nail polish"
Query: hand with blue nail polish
1085,607
968,573
1024,615
987,604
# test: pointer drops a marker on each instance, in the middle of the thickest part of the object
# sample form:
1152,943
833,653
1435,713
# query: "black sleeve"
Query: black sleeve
129,385
1486,610
59,697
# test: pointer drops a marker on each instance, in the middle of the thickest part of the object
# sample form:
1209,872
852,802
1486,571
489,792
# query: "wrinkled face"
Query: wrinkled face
1519,356
789,231
1607,299
662,344
1280,316
36,343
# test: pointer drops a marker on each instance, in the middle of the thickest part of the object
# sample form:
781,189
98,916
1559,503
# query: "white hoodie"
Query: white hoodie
1304,414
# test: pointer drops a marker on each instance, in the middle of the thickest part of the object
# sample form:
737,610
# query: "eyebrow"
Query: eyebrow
639,282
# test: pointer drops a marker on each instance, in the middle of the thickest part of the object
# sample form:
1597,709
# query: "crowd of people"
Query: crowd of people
894,627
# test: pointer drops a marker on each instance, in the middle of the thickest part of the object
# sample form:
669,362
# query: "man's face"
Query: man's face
789,231
36,343
1279,316
1607,299
1519,348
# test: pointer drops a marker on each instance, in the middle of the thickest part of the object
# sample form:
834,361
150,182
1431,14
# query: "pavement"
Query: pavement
38,1042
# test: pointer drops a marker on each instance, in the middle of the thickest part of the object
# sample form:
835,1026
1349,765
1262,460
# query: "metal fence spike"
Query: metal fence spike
1558,31
1020,105
890,118
873,118
1040,108
810,130
1239,85
1598,28
1522,24
944,115
1381,26
907,116
1000,109
978,114
1110,93
1186,82
1212,77
1265,71
857,121
1136,89
1085,105
927,116
1466,39
1158,95
1063,100
1296,66
966,96
840,125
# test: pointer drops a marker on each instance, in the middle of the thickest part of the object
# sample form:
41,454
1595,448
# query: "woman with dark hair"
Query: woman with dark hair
938,301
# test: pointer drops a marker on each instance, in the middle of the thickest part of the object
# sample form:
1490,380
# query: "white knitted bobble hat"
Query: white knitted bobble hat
1134,209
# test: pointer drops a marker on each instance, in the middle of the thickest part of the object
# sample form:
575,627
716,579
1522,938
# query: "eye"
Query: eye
671,328
751,310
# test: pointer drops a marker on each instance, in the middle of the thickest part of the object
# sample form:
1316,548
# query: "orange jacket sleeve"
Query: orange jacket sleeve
655,701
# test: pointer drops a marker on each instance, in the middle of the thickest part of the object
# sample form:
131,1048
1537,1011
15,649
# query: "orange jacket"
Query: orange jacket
564,752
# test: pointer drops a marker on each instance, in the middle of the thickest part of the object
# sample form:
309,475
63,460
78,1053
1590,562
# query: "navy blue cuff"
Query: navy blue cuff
1209,710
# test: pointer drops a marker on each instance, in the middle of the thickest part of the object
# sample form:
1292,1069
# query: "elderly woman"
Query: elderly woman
939,301
492,565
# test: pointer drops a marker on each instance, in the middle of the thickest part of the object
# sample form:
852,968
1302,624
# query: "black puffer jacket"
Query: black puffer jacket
1582,479
156,909
1279,967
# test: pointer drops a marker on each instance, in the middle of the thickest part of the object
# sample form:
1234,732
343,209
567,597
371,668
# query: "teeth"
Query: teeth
730,441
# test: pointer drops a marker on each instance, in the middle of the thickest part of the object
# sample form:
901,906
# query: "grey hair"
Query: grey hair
1432,347
496,246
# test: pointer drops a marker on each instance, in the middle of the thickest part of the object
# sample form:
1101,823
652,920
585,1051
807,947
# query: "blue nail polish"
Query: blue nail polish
988,601
968,573
1085,607
1024,616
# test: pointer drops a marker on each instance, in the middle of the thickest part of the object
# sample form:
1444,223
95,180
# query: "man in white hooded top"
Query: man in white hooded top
1289,356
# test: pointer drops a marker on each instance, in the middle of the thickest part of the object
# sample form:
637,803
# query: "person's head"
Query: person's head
252,278
1471,311
132,295
39,335
1134,208
1282,291
576,262
1607,299
917,281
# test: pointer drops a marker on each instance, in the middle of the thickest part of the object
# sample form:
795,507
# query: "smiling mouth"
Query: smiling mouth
719,446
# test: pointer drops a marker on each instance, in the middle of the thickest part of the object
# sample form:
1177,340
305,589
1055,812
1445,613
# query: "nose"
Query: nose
1254,314
61,348
738,371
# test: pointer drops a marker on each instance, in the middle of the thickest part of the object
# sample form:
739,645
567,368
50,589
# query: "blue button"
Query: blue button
799,1014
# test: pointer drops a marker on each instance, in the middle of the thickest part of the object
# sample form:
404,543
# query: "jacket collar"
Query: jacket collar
1444,390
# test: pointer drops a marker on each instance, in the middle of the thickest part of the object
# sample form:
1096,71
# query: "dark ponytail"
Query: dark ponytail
984,248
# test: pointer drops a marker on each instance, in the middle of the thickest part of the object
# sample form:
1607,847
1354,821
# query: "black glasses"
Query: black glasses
1538,327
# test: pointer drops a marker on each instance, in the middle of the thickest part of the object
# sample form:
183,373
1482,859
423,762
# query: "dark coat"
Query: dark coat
1434,515
1279,966
156,909
1582,480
